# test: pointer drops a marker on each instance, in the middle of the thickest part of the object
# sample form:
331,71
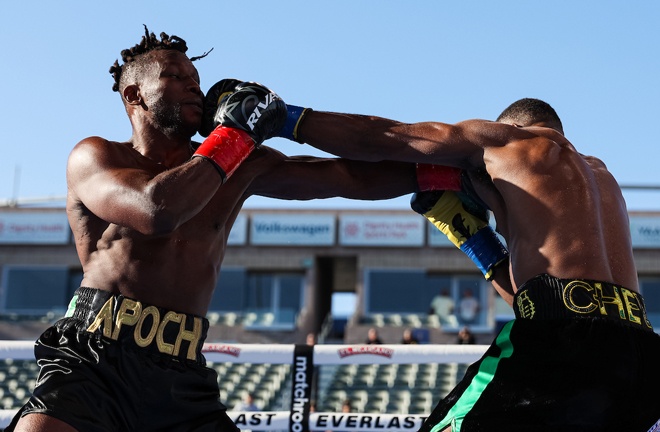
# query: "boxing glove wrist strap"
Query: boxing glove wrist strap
227,148
438,177
485,250
294,118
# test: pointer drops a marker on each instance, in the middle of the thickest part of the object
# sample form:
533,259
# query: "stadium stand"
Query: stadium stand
384,388
388,388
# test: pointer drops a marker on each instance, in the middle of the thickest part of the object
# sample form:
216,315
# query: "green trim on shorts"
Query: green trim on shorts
479,383
71,307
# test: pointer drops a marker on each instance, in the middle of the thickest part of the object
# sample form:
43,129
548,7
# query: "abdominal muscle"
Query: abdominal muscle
165,272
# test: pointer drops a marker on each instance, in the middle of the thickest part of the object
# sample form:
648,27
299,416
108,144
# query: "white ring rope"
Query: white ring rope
345,354
323,355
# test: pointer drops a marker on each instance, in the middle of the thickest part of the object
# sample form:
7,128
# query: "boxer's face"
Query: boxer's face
170,91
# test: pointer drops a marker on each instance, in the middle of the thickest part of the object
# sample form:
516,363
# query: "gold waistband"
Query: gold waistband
149,327
547,297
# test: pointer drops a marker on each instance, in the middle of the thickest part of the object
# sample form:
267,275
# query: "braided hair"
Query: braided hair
134,60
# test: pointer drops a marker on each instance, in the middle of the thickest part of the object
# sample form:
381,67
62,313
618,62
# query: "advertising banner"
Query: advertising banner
645,231
34,228
292,230
372,230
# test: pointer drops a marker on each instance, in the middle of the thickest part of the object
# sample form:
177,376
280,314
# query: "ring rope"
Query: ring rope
279,421
322,355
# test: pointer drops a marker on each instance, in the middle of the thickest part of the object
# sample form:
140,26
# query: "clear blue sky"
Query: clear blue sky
596,62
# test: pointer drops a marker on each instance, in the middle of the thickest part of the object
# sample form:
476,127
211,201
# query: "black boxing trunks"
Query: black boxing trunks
580,356
117,364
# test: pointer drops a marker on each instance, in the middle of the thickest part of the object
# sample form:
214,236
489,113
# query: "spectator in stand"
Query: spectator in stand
442,305
372,337
408,338
468,307
346,406
311,339
465,337
247,404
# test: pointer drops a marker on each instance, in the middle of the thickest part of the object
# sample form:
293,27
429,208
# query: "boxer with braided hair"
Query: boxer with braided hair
133,59
150,216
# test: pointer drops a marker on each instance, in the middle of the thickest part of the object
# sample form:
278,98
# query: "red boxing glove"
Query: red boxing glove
438,177
227,148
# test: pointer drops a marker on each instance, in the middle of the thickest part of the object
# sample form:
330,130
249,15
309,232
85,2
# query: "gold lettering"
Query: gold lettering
103,317
642,306
525,305
191,336
631,305
139,340
162,345
569,299
604,300
131,313
124,317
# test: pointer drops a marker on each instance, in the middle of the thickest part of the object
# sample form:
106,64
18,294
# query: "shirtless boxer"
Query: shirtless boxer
581,353
150,217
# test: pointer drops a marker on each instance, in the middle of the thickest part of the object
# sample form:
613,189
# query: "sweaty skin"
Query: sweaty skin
561,212
151,223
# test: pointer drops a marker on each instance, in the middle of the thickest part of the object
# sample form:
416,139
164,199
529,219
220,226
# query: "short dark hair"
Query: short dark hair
134,60
528,111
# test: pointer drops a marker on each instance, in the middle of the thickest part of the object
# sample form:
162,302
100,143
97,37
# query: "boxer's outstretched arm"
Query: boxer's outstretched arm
276,175
273,174
373,138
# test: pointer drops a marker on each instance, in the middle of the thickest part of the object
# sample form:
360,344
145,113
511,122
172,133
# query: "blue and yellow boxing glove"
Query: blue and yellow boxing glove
464,221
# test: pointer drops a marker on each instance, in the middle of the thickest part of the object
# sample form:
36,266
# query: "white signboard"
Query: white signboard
645,231
292,230
373,230
238,233
34,228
